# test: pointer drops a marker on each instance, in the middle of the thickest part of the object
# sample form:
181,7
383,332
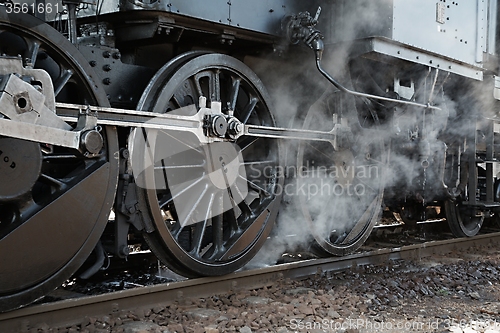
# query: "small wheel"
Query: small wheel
210,207
57,202
462,224
343,181
464,221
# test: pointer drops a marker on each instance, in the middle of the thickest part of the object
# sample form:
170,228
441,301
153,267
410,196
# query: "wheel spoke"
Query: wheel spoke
165,200
62,81
177,230
20,211
217,233
172,136
235,89
200,229
230,215
183,166
212,87
248,109
192,204
215,86
181,192
245,208
259,162
177,104
247,142
255,186
53,181
32,51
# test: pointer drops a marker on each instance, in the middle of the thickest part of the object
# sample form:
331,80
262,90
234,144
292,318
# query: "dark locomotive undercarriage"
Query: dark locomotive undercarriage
185,130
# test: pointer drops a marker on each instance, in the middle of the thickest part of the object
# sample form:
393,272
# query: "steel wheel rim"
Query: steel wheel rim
199,256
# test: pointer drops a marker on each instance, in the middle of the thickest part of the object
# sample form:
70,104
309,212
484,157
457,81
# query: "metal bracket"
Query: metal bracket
39,124
27,117
126,208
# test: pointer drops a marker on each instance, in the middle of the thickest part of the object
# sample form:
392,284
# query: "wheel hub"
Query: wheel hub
20,166
218,125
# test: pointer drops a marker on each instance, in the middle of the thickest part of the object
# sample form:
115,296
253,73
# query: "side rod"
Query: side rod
194,124
104,116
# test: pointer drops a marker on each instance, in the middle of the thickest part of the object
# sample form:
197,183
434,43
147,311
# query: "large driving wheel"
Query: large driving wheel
54,202
209,207
340,183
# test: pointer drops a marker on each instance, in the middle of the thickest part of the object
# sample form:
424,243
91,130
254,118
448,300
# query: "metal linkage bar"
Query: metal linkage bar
149,120
194,124
290,133
39,133
131,118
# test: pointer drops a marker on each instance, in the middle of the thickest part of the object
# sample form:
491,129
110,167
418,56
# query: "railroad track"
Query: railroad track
72,311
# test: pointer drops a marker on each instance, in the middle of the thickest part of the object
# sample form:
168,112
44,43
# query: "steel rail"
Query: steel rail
72,311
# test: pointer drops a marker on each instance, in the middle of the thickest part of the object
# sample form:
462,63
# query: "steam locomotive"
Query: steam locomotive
179,126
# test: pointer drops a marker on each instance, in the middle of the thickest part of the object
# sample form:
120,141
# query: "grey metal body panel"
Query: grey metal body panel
260,16
415,23
460,32
392,49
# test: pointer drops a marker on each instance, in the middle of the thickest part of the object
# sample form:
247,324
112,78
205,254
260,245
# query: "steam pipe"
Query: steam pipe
318,46
300,27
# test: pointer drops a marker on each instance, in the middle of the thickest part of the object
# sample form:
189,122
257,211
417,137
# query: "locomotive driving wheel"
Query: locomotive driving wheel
209,207
54,202
340,182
